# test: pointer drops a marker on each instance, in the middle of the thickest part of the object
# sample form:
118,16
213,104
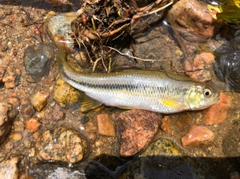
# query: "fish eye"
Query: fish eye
207,92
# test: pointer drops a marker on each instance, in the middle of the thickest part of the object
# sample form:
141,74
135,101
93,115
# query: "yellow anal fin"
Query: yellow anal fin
171,103
87,103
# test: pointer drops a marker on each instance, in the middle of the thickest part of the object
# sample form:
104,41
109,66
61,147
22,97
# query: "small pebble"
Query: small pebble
84,119
9,78
92,136
65,94
32,125
198,136
27,110
57,113
36,135
27,143
16,136
39,100
9,145
167,125
105,125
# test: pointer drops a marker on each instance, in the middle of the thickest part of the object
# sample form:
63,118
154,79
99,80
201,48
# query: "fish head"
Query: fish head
201,96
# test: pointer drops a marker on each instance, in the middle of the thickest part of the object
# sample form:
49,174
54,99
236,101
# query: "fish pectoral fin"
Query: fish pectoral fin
87,103
124,107
170,103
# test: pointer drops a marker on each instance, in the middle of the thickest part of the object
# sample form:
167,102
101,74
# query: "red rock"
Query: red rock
135,129
199,67
192,23
32,125
167,125
105,125
198,136
217,113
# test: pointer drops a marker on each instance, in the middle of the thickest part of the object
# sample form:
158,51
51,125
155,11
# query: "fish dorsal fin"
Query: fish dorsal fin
178,77
87,103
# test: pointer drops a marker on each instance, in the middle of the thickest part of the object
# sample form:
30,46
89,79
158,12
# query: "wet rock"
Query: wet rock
61,145
27,110
8,112
59,28
135,129
64,94
167,125
10,77
83,170
84,119
184,122
198,68
16,136
57,113
105,125
9,169
217,113
32,125
192,23
39,99
227,67
198,136
37,60
161,147
173,164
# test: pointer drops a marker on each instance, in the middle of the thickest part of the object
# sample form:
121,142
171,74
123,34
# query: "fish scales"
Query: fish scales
136,89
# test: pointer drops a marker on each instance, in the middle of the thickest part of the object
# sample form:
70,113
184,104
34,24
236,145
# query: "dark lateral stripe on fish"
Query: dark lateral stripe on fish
113,86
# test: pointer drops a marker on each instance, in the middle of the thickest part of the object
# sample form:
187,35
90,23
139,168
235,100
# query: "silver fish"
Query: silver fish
138,89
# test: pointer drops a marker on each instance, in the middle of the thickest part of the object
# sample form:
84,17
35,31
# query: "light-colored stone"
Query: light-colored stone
8,169
39,100
61,145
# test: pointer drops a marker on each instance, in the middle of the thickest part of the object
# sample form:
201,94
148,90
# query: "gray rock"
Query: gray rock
37,60
59,28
